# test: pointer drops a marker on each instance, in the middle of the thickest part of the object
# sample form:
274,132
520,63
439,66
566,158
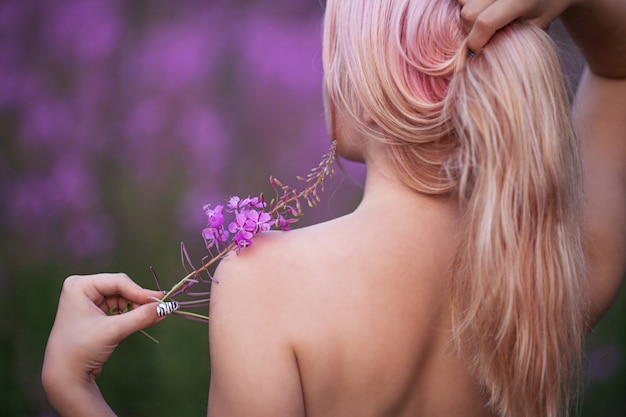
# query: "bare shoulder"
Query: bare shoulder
291,275
269,276
303,285
264,270
255,308
250,346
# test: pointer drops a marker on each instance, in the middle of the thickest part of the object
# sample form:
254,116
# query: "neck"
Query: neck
408,224
385,191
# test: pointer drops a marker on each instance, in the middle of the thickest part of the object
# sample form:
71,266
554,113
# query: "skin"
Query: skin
84,336
299,328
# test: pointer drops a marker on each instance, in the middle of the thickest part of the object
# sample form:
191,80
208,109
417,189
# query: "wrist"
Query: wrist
74,395
79,400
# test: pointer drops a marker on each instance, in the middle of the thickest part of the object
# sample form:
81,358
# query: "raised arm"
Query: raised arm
600,115
599,29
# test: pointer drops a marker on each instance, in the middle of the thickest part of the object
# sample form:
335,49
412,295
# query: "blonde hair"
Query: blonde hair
495,131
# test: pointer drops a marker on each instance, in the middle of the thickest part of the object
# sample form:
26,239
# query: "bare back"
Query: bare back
373,337
363,305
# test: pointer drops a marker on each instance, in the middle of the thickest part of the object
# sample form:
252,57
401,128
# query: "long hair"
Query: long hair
494,131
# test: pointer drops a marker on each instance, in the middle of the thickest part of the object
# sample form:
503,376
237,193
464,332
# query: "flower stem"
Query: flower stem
198,271
143,332
190,314
194,302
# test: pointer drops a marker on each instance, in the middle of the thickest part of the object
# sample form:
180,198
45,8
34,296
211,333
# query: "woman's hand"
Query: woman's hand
482,18
89,325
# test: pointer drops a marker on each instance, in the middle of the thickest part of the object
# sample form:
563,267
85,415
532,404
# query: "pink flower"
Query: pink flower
234,204
212,235
215,218
254,203
283,223
242,229
258,221
242,240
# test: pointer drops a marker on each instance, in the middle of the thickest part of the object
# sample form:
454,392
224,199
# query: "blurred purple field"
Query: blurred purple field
214,95
119,120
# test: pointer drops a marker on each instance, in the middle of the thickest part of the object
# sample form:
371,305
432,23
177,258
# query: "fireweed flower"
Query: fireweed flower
234,204
215,218
252,216
243,230
260,221
214,232
243,239
237,204
283,223
212,236
254,203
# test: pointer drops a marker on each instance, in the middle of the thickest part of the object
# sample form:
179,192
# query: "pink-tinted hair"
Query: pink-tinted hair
495,132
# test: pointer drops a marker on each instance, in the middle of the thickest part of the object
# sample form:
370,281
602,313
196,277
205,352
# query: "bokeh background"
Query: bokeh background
119,120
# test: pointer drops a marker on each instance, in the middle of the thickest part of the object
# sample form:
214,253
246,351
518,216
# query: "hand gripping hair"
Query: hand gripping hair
494,131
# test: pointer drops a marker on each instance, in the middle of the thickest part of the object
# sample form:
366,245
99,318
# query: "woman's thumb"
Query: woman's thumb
143,316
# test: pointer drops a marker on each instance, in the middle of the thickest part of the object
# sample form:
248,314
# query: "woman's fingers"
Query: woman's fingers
121,284
471,9
100,287
483,18
123,325
486,17
133,307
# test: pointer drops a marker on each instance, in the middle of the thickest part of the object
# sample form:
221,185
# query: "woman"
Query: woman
457,288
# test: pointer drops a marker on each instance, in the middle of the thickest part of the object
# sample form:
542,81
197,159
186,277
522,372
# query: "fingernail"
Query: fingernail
165,309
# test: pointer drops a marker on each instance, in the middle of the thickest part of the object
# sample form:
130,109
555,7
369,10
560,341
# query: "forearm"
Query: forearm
599,116
599,28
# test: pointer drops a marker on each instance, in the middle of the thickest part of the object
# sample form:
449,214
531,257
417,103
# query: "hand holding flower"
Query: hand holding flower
88,327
